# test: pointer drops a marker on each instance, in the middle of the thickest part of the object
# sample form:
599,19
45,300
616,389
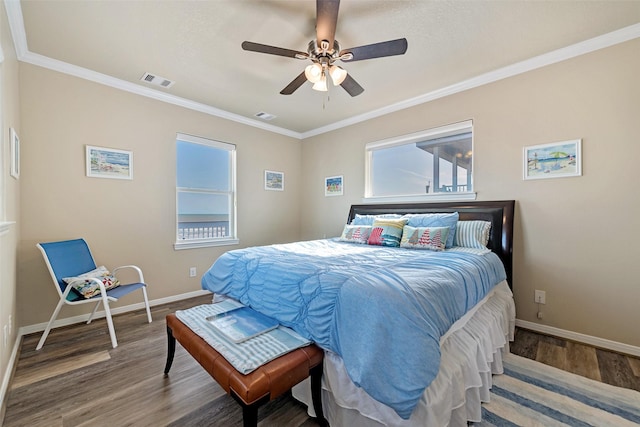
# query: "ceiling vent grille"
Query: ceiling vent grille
265,116
156,80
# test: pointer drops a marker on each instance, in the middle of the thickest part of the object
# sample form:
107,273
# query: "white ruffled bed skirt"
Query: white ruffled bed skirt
471,352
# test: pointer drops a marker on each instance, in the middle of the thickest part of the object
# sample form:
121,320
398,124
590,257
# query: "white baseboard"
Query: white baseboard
586,339
39,327
8,374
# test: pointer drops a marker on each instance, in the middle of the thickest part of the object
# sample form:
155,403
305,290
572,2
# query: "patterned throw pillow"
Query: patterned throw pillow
473,234
386,232
433,238
355,233
86,288
436,220
368,219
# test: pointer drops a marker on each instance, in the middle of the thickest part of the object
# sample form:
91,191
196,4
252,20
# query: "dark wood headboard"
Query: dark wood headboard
499,213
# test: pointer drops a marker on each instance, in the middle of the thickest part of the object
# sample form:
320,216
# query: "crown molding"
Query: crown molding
607,40
84,73
16,23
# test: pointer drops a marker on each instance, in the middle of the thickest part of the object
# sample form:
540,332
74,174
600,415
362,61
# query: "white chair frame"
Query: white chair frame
104,299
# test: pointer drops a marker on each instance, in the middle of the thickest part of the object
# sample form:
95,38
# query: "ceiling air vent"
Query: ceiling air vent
265,116
156,80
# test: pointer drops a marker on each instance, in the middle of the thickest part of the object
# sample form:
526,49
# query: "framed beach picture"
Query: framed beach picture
15,153
333,186
273,180
555,160
109,163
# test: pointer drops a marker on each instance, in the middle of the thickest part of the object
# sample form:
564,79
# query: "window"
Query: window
205,192
436,163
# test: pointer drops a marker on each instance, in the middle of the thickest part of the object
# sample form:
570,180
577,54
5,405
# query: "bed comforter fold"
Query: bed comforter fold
383,310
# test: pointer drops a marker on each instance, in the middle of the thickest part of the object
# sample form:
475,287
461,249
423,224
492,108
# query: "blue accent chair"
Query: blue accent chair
71,258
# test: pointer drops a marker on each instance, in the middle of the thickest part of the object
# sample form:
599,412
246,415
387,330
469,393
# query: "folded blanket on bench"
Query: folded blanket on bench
245,356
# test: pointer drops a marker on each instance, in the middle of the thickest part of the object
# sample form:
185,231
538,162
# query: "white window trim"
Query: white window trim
204,243
436,197
440,131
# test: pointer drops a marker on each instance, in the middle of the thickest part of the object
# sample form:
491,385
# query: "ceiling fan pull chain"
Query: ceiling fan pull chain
326,98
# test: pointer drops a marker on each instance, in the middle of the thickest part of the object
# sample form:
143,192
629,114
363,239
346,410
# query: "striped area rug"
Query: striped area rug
534,394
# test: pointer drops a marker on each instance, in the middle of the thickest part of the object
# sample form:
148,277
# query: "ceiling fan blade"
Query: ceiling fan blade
294,85
326,20
272,50
377,50
351,86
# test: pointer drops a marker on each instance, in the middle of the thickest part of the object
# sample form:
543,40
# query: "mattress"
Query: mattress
472,350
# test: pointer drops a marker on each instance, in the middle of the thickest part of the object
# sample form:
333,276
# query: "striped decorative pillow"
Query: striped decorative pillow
386,232
368,219
473,234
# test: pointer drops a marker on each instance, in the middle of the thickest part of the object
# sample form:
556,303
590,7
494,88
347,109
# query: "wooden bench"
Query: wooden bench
258,387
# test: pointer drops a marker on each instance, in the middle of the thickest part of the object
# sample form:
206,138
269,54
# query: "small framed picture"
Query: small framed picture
555,160
15,153
333,186
109,163
273,180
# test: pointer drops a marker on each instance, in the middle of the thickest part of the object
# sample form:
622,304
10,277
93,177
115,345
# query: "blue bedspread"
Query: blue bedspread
383,310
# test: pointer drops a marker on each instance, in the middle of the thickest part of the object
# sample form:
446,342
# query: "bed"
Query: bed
411,336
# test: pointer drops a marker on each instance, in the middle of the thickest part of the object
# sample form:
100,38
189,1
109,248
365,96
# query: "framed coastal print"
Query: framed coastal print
109,163
273,180
15,153
333,186
555,160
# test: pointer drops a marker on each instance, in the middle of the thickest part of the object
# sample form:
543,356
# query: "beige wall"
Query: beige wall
576,237
582,255
131,221
10,191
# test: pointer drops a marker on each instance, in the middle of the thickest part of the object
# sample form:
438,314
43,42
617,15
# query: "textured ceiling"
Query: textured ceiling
197,45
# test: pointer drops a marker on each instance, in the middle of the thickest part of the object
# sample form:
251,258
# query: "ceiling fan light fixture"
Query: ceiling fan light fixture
313,72
338,74
321,85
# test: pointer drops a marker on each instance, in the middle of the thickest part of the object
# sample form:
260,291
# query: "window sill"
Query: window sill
194,244
435,197
5,226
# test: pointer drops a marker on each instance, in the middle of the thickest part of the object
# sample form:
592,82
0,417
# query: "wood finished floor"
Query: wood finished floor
77,379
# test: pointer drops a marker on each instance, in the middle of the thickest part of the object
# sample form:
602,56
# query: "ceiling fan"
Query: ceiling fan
324,51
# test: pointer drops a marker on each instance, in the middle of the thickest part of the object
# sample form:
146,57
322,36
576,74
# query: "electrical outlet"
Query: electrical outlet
540,297
192,272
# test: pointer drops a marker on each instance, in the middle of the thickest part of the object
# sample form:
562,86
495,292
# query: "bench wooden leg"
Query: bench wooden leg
249,415
316,393
171,350
250,412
